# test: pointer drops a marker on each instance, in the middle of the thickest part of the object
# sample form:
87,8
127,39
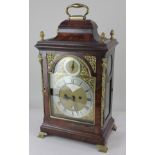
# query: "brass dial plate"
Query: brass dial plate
73,95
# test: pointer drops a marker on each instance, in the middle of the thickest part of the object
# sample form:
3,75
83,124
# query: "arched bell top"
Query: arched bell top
78,34
77,30
78,24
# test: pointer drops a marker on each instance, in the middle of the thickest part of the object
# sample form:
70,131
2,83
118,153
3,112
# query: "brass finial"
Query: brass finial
42,35
112,34
102,37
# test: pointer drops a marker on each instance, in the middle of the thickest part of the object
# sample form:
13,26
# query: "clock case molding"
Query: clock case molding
79,38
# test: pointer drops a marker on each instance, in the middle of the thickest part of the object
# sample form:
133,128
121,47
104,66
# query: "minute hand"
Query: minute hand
74,104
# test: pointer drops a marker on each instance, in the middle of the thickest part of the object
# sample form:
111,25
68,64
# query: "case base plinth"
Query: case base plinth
98,139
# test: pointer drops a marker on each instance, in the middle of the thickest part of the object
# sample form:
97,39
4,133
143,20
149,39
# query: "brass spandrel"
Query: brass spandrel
92,61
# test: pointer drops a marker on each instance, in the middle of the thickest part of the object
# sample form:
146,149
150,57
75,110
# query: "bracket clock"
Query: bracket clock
77,81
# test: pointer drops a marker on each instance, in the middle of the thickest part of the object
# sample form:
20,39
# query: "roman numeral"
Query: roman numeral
72,81
80,83
88,99
87,107
87,90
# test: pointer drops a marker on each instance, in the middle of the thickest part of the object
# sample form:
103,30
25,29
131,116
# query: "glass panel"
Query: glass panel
108,85
107,104
72,96
109,68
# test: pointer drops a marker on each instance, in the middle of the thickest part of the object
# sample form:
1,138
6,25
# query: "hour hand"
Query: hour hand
66,97
72,67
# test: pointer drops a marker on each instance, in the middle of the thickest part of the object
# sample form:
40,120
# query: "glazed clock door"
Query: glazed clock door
108,92
72,90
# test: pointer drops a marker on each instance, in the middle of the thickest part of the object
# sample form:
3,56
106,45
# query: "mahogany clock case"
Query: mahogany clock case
84,42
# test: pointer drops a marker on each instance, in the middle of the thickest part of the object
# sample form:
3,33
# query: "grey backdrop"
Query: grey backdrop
46,15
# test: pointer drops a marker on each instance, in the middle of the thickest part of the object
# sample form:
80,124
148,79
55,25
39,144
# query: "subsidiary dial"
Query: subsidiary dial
72,66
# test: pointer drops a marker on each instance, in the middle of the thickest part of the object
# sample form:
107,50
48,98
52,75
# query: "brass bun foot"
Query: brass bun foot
42,134
102,148
114,128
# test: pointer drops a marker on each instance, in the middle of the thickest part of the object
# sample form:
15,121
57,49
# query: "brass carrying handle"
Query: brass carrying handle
77,5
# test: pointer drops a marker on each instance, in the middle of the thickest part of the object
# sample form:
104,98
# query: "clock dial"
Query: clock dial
72,91
69,66
73,97
72,66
